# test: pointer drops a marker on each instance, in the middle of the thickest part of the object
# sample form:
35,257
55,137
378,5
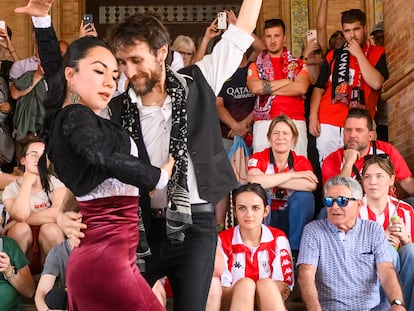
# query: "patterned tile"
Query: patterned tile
299,24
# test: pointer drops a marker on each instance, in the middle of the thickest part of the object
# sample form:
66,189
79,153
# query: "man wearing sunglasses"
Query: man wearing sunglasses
342,256
359,144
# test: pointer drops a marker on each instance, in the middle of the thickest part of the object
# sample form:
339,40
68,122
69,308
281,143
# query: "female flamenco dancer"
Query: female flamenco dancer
97,161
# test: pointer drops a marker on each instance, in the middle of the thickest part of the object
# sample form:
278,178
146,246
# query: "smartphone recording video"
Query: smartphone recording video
311,35
222,20
87,20
2,26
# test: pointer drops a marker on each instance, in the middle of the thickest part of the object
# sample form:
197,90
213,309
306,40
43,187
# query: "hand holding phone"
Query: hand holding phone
87,20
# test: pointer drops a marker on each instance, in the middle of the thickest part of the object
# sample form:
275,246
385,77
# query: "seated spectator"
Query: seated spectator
289,179
186,47
342,258
358,143
15,276
268,279
33,202
395,216
49,297
28,88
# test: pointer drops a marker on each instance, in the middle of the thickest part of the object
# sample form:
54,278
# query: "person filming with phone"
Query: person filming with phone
87,27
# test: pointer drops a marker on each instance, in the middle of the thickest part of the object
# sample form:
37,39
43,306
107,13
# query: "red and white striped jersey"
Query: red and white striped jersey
394,207
271,259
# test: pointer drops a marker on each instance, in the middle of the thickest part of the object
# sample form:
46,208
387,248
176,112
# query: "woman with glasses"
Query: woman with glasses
257,258
185,46
396,217
33,202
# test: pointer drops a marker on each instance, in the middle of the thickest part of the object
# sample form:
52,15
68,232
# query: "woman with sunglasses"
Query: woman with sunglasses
33,202
257,258
396,217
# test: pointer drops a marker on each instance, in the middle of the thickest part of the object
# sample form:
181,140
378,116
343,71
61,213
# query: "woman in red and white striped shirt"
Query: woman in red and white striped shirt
395,215
258,260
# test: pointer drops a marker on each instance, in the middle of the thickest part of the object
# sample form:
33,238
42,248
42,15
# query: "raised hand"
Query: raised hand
35,8
212,31
87,30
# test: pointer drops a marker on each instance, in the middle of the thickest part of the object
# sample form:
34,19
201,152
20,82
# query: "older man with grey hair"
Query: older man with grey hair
342,258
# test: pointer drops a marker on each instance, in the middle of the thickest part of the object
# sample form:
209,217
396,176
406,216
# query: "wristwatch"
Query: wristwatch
397,302
11,274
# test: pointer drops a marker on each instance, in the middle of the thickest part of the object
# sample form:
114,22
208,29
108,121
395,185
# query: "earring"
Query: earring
73,96
393,191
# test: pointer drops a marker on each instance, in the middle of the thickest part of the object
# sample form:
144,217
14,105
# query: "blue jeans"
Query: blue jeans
298,212
406,273
403,261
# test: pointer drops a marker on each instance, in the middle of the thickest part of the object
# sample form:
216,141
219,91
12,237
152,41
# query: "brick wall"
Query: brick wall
67,18
399,89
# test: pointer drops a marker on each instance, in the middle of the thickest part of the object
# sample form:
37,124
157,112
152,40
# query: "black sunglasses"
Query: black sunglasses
341,201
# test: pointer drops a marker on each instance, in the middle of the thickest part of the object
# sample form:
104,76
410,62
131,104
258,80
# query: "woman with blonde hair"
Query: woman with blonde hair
186,47
287,177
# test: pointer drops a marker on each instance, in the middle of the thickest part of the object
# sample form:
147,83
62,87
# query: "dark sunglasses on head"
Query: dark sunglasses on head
341,201
381,155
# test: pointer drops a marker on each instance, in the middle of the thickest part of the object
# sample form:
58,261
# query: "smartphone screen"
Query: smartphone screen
222,20
311,35
2,26
1,244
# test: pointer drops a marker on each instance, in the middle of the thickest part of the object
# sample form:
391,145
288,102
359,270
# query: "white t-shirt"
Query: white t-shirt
38,200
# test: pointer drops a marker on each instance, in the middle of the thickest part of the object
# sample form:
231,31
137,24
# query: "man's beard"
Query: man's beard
150,81
142,90
356,146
